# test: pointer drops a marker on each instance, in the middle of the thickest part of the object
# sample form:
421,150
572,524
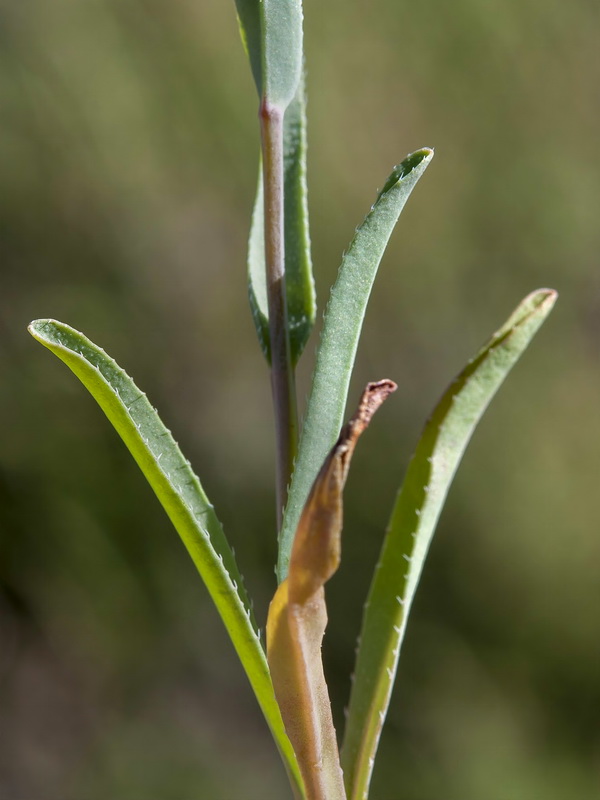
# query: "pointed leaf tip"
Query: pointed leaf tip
539,300
405,167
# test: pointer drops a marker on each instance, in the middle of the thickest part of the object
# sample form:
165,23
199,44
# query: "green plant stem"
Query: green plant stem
282,372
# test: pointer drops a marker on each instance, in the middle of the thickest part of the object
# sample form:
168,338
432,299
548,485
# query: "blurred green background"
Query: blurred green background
128,158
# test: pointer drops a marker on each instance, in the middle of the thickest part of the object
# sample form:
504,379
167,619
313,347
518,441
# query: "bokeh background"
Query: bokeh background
128,158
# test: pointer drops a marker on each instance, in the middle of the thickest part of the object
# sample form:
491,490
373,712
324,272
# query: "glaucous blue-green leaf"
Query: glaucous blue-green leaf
411,528
342,325
182,496
300,289
282,59
272,35
248,12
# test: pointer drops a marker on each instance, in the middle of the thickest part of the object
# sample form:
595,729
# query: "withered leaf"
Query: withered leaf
298,613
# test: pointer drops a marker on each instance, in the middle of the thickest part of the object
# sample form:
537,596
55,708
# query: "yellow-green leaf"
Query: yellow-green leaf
179,491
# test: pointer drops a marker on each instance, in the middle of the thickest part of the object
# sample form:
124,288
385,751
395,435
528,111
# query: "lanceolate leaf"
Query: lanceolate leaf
339,339
300,290
298,614
411,527
181,495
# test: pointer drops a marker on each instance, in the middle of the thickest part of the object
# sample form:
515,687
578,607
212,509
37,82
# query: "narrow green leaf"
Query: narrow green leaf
272,34
181,495
411,528
339,339
300,288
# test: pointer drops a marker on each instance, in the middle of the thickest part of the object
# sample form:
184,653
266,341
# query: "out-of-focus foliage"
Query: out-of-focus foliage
127,169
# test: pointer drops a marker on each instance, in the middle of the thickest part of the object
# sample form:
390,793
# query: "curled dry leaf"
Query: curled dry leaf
298,613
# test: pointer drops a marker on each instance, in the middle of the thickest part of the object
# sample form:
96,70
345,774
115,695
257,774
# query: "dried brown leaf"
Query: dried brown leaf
298,613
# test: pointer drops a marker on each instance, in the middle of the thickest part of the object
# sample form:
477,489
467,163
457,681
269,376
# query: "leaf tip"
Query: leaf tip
38,327
420,158
546,297
540,302
373,396
413,160
52,333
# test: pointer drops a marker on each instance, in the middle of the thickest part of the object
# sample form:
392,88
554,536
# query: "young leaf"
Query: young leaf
272,35
300,289
181,495
411,528
339,339
281,26
298,614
